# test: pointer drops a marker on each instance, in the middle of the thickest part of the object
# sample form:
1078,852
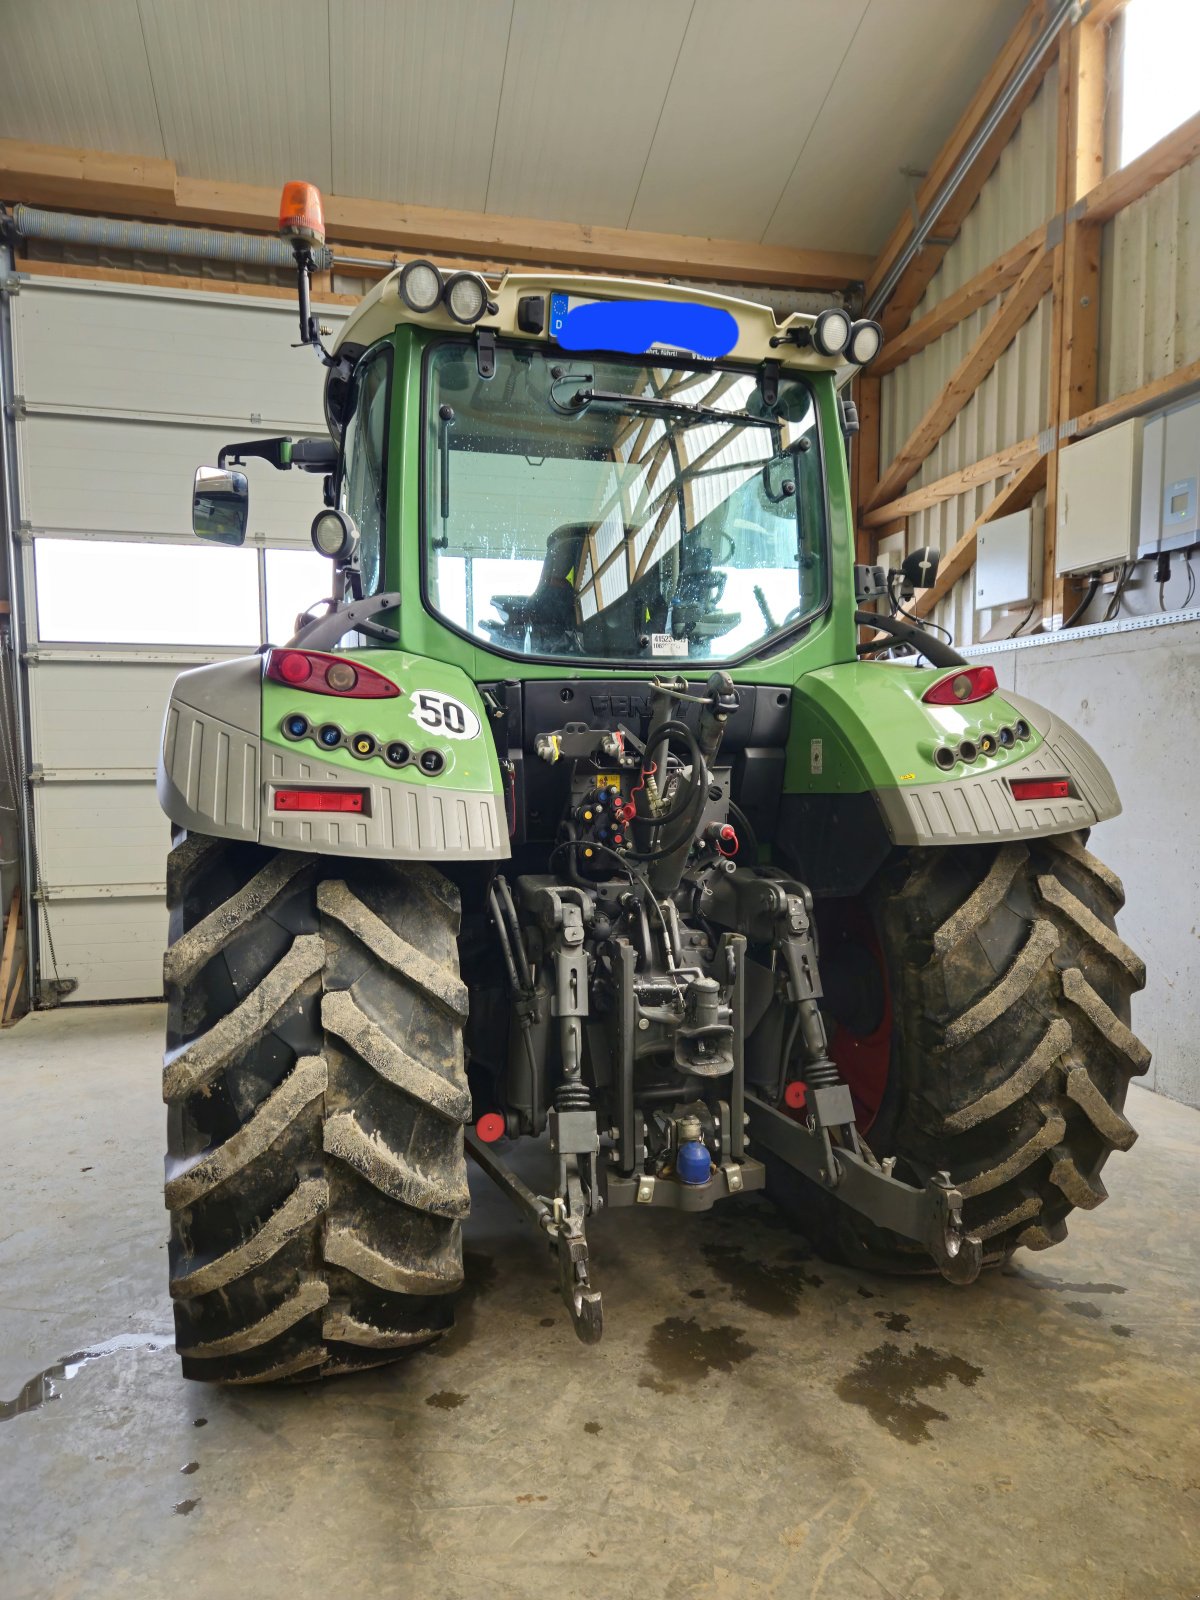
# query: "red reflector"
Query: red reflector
320,799
1040,789
962,687
491,1126
317,673
795,1095
293,666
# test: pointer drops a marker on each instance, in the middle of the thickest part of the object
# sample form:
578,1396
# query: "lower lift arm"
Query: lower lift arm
931,1217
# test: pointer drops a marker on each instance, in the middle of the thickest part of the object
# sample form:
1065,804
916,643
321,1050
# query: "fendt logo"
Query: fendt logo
621,705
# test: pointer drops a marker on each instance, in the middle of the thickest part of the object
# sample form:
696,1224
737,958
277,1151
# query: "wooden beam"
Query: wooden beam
1016,48
1178,149
1075,323
1103,13
1016,494
96,181
1011,459
992,280
171,280
995,337
1172,386
865,457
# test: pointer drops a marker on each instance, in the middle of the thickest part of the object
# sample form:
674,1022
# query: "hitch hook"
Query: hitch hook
959,1255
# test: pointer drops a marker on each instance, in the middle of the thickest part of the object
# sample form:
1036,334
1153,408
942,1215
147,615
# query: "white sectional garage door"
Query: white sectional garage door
123,392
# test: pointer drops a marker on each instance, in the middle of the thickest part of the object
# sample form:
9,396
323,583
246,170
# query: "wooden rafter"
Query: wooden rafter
98,181
1016,494
991,281
995,337
1011,459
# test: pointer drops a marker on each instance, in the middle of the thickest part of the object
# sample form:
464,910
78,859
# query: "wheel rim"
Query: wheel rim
858,1005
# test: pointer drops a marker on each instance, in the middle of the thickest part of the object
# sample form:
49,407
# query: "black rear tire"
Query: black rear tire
316,1096
1011,1049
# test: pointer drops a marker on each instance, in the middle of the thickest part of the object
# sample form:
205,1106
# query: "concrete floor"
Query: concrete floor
755,1423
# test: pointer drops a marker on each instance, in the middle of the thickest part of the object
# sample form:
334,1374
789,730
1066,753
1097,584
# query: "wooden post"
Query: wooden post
1076,282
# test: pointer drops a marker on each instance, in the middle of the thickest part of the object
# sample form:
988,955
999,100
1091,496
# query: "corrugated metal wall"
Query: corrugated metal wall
1012,403
1150,286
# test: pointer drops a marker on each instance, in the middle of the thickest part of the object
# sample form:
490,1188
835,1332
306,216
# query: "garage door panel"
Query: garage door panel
101,715
127,391
104,475
146,351
112,948
93,834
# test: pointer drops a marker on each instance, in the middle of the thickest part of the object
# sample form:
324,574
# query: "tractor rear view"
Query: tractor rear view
578,813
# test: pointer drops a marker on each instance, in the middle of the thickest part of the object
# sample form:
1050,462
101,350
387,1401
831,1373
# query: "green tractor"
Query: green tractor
580,811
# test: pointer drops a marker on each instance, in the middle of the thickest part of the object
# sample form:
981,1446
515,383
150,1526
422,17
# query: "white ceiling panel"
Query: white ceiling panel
416,88
583,89
744,94
243,89
873,122
76,74
787,120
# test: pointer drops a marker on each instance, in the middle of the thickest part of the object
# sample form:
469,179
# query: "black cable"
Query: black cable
739,815
1114,605
923,622
578,844
1089,596
675,729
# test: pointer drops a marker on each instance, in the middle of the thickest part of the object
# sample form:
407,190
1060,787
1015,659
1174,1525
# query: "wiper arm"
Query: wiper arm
657,405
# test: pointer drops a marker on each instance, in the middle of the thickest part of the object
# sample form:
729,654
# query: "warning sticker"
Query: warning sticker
666,644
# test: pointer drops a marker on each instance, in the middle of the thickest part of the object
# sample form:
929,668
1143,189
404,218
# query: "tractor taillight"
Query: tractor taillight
321,800
316,673
1041,788
301,215
962,687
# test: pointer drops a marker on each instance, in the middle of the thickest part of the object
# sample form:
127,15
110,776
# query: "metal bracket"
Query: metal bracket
485,352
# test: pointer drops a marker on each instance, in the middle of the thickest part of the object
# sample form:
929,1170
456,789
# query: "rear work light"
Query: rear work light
962,687
320,800
321,674
1040,788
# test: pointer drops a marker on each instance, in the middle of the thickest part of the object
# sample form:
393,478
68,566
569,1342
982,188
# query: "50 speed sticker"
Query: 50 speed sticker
444,715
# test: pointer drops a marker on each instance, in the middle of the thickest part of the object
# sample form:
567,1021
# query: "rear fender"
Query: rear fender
224,757
862,728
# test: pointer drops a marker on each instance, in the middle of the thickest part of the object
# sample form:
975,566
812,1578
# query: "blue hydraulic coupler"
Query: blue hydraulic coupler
693,1162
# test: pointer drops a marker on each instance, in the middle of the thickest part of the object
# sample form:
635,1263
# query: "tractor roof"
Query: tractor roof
688,319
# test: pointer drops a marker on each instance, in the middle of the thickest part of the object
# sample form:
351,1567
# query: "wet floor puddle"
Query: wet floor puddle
773,1287
682,1352
43,1386
887,1382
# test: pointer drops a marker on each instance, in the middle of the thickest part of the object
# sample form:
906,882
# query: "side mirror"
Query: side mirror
220,506
919,568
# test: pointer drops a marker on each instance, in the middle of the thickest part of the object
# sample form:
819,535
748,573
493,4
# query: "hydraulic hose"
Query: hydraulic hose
935,651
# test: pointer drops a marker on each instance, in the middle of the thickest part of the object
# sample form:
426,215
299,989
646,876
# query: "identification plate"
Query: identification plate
666,644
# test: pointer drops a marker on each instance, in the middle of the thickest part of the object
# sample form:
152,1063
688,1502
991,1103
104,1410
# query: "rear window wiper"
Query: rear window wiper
655,405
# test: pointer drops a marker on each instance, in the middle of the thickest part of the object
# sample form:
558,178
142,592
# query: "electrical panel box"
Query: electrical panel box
1170,506
1100,499
1008,561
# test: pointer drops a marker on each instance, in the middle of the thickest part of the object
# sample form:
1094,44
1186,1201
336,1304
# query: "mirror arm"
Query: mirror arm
309,455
